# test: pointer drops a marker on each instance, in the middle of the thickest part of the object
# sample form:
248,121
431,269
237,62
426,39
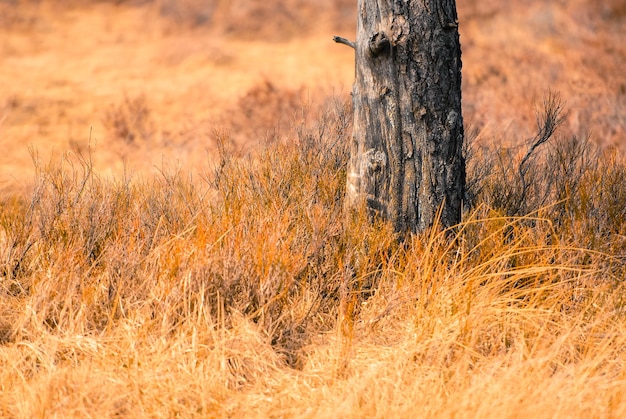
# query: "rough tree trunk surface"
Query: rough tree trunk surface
406,157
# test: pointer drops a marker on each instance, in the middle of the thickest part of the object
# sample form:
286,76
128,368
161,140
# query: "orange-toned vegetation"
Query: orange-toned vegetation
172,240
70,71
74,71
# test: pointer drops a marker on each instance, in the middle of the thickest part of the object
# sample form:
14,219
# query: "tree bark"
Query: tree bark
406,159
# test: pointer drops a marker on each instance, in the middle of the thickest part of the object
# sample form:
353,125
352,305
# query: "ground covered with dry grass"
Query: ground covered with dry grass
152,80
233,285
247,293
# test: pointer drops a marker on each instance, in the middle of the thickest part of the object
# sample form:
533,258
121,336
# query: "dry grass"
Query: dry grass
235,287
246,293
66,65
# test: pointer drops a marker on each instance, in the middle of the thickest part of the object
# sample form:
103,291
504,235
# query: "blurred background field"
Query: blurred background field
154,80
173,241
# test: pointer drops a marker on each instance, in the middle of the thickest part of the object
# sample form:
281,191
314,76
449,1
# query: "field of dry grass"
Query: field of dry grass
173,244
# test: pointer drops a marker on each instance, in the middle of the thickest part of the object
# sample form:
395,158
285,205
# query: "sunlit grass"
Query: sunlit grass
245,291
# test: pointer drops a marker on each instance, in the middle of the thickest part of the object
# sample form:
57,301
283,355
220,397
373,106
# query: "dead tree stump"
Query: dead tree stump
406,159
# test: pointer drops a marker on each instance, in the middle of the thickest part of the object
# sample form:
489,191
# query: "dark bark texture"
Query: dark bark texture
406,158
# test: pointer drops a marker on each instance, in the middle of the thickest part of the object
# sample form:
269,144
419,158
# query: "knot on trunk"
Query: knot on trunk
374,160
379,44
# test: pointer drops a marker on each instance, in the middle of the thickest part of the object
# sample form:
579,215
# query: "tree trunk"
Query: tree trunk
406,157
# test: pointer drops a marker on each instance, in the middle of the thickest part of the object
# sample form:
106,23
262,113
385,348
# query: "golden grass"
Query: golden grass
246,292
237,287
73,68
